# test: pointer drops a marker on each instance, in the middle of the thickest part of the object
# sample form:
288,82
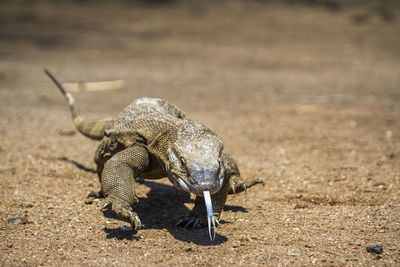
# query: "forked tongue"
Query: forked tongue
210,215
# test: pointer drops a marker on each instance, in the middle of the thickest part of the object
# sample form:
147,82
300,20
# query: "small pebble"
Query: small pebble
89,201
9,245
301,205
18,220
294,253
375,249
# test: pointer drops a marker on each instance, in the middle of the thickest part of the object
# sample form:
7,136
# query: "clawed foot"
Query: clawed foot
237,185
123,211
194,222
187,223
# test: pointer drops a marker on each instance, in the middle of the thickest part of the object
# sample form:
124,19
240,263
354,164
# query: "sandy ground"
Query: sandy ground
305,97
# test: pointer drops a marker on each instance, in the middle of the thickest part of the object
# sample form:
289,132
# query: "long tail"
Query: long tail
93,129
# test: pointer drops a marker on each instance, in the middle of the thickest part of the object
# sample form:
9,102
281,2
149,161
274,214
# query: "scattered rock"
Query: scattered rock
18,220
341,178
375,249
294,253
301,205
89,201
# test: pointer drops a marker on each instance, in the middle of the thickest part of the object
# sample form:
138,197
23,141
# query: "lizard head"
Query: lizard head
195,165
194,162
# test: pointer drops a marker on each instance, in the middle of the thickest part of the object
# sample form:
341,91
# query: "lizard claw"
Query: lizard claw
135,221
191,222
241,186
233,189
106,206
123,211
179,222
237,187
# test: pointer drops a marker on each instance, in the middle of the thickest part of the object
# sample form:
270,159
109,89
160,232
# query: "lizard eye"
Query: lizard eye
183,161
221,174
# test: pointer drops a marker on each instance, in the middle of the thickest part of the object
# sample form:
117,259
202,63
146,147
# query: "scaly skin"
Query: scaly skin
153,139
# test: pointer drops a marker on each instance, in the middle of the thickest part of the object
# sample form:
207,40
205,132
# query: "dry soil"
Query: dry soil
306,97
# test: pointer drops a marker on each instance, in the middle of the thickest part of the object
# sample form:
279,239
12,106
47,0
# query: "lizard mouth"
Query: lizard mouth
200,188
209,208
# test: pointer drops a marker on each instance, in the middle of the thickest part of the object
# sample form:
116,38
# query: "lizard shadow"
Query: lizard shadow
170,206
121,234
78,165
161,209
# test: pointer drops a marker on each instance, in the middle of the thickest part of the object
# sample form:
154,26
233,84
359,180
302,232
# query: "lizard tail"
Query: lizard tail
93,129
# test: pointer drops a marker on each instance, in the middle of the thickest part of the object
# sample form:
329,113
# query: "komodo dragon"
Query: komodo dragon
153,139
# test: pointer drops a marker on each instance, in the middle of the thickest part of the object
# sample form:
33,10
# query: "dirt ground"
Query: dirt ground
305,97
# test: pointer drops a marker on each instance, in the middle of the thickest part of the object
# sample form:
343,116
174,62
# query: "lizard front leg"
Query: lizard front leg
236,183
118,182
